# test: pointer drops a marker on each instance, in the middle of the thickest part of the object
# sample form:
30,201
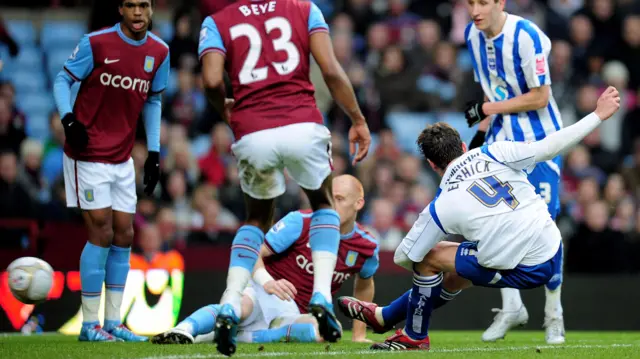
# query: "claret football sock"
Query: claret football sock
425,290
92,272
117,269
324,239
245,251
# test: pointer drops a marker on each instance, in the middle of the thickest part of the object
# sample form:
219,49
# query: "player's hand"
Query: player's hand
228,106
473,113
75,133
282,289
359,134
151,172
608,103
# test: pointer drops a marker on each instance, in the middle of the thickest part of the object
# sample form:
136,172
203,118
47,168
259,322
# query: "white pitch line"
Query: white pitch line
374,352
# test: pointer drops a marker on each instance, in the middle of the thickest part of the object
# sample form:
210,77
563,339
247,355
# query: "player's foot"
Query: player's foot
328,325
503,321
173,336
122,332
226,330
401,341
363,311
554,330
96,334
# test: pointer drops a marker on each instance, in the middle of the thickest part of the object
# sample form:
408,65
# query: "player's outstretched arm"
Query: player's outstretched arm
342,92
363,289
556,143
519,155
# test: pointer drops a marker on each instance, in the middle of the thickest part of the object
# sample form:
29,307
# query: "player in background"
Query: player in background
123,70
511,240
265,48
510,60
274,305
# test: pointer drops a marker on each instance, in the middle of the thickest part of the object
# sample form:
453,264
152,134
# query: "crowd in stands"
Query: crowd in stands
409,66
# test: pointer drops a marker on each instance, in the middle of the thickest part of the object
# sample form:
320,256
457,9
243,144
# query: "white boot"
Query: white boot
503,321
554,330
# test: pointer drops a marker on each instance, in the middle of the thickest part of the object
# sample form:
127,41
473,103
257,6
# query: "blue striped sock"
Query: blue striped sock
425,290
92,272
117,270
396,312
202,320
246,247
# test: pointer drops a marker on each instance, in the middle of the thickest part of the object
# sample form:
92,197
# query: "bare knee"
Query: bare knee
123,237
321,198
100,231
440,258
246,306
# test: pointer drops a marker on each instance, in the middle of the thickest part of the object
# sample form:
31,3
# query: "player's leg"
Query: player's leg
87,187
123,197
293,329
427,286
553,318
307,157
384,318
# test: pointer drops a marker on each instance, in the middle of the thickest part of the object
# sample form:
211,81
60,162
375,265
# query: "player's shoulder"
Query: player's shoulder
102,32
519,26
362,232
469,30
157,43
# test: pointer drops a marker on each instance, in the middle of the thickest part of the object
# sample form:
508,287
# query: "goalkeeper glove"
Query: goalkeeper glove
75,132
474,113
151,172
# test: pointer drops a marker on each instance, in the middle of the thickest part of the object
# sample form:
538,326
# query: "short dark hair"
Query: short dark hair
440,143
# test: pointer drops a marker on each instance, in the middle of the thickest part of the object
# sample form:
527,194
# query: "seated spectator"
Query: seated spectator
214,163
11,128
152,255
30,171
382,225
53,149
15,201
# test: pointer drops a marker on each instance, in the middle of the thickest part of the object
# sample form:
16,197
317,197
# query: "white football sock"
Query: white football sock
113,303
511,300
324,263
186,326
90,309
237,280
379,316
553,305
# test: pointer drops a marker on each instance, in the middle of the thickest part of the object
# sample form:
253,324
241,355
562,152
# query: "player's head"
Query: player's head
348,197
440,144
136,14
485,13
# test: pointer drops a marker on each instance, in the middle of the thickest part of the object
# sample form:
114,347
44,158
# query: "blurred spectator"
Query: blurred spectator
9,92
387,148
402,23
361,13
218,226
181,160
601,157
382,225
53,149
631,172
15,201
615,73
152,255
184,46
166,221
30,172
187,105
11,128
5,38
588,192
396,82
529,9
581,35
630,50
213,165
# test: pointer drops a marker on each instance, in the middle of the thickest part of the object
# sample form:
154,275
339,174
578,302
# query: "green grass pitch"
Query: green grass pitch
445,344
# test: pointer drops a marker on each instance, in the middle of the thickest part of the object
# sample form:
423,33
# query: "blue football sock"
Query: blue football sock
246,247
396,312
298,333
117,270
444,298
202,320
324,240
425,290
92,272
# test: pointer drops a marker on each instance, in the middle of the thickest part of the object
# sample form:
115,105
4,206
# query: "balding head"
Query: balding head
348,197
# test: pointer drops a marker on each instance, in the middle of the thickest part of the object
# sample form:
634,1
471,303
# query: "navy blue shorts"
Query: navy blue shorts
520,277
545,178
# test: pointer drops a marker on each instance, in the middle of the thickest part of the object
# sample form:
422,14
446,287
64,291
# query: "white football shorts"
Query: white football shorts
303,149
269,311
95,185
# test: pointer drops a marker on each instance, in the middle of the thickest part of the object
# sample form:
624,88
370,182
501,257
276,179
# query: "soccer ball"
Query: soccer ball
30,279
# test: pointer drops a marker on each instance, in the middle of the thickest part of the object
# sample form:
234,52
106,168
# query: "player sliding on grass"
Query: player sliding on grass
484,196
274,303
510,60
123,70
264,46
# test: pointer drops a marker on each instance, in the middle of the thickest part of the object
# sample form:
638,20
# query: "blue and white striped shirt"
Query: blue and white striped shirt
509,65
